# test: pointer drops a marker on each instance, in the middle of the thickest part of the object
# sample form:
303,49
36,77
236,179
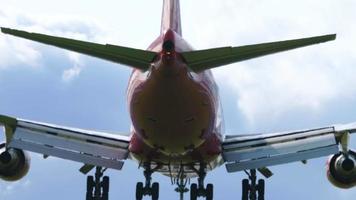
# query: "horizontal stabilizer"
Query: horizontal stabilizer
136,58
210,58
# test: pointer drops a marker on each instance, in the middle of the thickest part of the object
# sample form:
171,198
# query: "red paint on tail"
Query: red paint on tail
171,17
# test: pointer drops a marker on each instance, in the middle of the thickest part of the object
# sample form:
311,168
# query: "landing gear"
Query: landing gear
198,190
251,190
148,189
98,187
181,187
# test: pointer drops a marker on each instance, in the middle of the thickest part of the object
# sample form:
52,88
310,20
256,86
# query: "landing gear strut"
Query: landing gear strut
98,187
198,190
147,189
181,188
251,190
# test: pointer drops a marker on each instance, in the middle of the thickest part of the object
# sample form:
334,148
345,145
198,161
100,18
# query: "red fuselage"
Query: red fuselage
175,113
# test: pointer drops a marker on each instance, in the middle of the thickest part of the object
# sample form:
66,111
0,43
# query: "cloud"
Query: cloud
74,71
285,86
9,188
275,85
17,53
307,80
20,52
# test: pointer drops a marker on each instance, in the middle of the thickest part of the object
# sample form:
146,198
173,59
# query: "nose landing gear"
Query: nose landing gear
181,188
251,190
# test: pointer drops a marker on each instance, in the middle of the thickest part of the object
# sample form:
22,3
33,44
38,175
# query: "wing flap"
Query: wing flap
137,58
67,154
242,152
89,147
210,58
281,159
287,147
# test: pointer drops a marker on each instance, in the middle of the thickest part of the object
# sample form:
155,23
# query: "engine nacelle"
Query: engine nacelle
341,170
14,164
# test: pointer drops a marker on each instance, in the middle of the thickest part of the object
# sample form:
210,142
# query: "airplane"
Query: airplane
176,122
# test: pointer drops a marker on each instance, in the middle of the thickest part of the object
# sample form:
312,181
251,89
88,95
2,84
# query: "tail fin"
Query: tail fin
171,17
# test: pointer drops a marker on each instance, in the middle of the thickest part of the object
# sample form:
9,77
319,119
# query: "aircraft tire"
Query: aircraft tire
90,183
139,191
106,183
90,186
105,197
88,196
209,192
193,191
245,189
155,191
261,189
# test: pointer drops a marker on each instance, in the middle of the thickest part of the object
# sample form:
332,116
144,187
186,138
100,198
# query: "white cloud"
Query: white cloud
20,52
210,23
306,80
17,53
272,86
9,188
266,93
74,71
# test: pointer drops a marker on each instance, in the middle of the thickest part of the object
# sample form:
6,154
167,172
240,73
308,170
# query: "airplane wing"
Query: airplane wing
136,58
242,152
88,147
210,58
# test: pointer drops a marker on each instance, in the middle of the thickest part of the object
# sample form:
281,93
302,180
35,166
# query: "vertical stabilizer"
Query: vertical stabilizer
171,17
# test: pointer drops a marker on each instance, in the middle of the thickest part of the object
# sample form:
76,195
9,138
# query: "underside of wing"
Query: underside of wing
136,58
88,147
242,152
210,58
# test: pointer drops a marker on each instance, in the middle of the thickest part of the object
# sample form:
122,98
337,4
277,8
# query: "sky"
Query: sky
305,88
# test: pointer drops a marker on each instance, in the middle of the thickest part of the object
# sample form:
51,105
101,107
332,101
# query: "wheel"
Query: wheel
139,191
193,191
90,183
261,189
209,192
105,184
155,191
245,189
89,196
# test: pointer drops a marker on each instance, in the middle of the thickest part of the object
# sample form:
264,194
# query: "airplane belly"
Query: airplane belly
172,114
171,165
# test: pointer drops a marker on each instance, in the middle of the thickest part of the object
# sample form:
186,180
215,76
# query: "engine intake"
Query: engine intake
341,169
14,164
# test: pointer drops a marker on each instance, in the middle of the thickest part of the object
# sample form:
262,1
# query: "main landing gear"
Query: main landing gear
98,187
148,189
251,190
198,190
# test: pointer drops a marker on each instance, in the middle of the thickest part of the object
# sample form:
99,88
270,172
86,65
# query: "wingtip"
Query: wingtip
7,120
3,29
329,37
6,30
333,36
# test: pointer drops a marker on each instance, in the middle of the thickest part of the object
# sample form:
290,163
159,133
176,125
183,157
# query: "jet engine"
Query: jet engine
341,169
14,164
